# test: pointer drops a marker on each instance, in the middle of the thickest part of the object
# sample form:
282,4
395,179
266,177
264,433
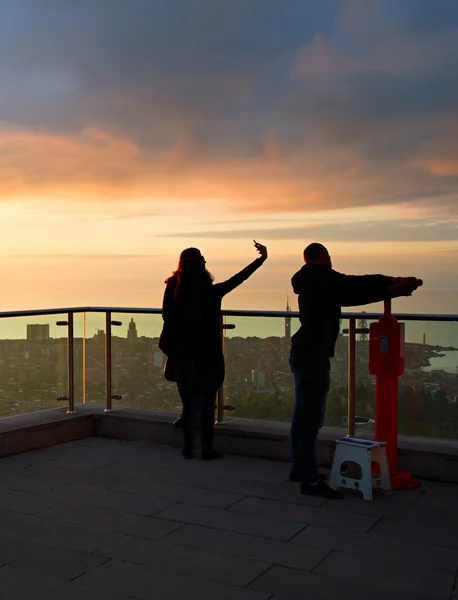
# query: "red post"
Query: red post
386,361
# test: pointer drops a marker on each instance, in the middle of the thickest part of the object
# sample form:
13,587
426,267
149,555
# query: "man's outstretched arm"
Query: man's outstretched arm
354,290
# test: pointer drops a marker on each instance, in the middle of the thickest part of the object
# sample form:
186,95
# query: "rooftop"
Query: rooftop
102,519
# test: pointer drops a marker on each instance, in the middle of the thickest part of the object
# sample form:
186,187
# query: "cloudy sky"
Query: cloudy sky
130,129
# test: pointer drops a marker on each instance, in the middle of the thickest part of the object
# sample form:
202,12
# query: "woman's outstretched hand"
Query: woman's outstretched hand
261,249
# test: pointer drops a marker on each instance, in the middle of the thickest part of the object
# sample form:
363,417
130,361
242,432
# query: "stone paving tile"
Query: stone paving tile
89,459
368,544
56,533
38,556
365,570
21,482
251,469
440,499
160,473
170,467
95,518
179,493
42,455
18,584
130,503
304,514
398,496
436,532
29,503
248,547
167,557
429,485
385,507
276,529
128,470
292,584
287,492
153,584
104,442
284,492
24,460
71,475
454,595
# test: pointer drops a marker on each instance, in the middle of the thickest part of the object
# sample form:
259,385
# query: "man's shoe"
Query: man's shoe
211,455
188,454
178,423
298,477
321,490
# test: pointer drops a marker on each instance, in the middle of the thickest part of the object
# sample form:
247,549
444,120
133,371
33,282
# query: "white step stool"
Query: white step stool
363,453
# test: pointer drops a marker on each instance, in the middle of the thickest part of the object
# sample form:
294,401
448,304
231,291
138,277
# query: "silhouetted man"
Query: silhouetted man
322,292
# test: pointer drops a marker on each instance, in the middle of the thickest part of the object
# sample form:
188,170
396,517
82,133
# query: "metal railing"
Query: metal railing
352,331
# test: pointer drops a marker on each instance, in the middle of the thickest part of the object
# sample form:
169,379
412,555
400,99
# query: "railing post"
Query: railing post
71,365
84,359
351,376
70,397
108,404
108,364
220,392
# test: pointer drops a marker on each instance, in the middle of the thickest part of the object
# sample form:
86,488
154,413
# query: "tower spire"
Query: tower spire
287,321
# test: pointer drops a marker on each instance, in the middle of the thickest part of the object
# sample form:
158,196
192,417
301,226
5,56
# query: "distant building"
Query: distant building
37,332
132,331
158,359
362,325
288,321
258,377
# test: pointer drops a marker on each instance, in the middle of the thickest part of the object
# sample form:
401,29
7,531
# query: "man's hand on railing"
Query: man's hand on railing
404,286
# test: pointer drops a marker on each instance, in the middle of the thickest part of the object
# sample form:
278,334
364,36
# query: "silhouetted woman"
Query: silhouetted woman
191,338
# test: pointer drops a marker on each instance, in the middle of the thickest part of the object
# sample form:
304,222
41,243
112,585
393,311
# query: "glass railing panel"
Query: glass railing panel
79,358
259,383
93,358
336,405
428,390
138,365
33,364
365,382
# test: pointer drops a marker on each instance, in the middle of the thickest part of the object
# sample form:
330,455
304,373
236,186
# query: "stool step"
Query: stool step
361,442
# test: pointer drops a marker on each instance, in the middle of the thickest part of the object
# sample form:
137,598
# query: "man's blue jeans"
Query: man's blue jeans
311,378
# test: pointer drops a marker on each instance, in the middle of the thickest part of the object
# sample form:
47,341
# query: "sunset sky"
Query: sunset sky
131,129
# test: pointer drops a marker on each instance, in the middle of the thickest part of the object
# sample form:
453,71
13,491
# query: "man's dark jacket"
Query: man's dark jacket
322,292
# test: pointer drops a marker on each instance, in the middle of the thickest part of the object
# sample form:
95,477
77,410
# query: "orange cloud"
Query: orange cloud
440,157
321,173
94,162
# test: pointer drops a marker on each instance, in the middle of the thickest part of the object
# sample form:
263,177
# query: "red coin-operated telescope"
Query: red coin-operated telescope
386,362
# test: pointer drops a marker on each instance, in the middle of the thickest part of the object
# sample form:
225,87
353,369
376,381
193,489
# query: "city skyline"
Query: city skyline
258,382
130,132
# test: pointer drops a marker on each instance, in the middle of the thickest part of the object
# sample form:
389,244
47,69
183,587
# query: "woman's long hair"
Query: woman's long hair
191,275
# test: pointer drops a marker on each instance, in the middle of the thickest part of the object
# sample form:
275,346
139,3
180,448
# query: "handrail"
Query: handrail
226,312
345,315
78,309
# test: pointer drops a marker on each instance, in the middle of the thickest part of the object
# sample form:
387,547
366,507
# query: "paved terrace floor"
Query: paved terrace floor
103,519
